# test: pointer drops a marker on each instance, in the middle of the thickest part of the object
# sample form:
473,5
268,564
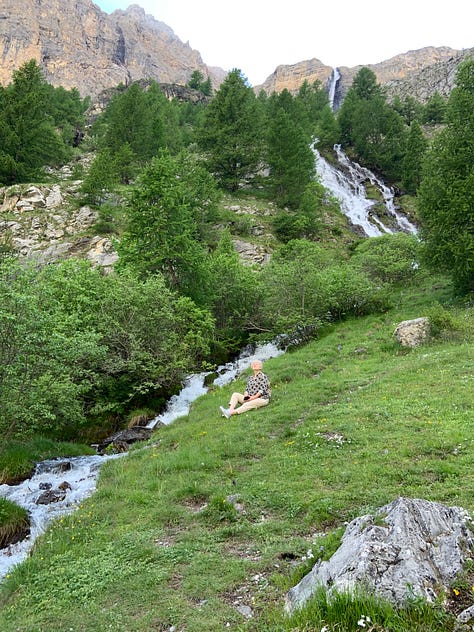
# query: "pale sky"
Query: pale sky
256,36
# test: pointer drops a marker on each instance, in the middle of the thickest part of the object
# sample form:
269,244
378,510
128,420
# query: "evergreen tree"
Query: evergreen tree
446,193
409,109
231,132
435,110
206,87
133,118
314,100
292,163
28,136
363,89
413,159
327,129
197,82
168,214
67,110
373,128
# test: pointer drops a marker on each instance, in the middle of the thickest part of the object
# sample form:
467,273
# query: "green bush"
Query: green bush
447,324
389,258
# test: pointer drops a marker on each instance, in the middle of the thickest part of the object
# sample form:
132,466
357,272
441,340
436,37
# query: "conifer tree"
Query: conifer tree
435,110
171,205
231,132
446,194
373,128
28,136
292,163
413,158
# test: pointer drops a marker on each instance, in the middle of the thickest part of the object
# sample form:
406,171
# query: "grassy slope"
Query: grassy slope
354,422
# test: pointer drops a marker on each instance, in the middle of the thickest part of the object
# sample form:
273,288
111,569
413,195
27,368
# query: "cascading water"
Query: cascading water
347,186
333,83
76,478
194,386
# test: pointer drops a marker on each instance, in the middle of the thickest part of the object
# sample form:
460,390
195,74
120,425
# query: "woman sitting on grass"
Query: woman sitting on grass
257,393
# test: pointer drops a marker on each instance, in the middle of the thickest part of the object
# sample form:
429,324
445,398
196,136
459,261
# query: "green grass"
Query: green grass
17,460
215,514
14,522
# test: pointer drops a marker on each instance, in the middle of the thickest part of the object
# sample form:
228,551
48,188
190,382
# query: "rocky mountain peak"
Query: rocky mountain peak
417,72
78,45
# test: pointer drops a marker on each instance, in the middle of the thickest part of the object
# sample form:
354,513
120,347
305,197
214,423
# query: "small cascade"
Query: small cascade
67,481
332,90
194,385
347,186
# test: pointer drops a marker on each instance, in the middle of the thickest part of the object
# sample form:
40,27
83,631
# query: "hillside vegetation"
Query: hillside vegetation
214,514
210,523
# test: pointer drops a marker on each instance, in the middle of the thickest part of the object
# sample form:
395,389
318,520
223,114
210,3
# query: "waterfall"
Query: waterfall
333,81
347,186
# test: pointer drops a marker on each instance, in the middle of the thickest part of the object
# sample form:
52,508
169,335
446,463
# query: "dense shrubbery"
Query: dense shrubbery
306,284
77,347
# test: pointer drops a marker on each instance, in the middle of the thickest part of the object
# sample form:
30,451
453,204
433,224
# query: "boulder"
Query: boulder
51,496
120,441
411,547
412,333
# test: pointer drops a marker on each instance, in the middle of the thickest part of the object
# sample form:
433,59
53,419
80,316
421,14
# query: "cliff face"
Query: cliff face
291,77
423,82
78,45
418,73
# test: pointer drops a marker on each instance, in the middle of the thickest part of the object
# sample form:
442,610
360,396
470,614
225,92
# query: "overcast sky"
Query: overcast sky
256,36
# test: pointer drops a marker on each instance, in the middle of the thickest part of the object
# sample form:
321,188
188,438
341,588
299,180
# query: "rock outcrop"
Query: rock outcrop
78,45
409,548
418,73
413,333
42,222
423,82
292,77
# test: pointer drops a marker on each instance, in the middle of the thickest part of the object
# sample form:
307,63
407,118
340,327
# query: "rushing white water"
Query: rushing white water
194,386
77,477
347,186
333,81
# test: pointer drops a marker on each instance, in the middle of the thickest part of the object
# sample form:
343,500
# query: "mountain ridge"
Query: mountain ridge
79,45
404,69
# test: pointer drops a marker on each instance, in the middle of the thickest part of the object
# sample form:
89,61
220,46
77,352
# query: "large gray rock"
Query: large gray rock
412,333
410,547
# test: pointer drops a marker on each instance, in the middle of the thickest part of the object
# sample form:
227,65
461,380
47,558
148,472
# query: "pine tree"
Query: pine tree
446,194
231,132
413,159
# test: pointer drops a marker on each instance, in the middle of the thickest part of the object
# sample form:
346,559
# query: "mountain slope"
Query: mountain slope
78,45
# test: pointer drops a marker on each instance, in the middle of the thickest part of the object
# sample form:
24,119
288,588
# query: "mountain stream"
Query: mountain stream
72,480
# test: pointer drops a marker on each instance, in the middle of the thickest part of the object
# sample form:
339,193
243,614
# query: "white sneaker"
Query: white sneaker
225,412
